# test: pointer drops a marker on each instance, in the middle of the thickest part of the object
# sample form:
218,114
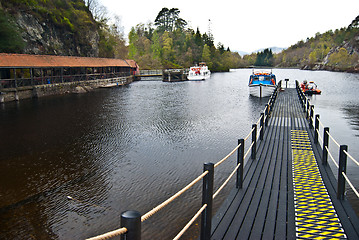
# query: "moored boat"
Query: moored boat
310,88
199,73
262,83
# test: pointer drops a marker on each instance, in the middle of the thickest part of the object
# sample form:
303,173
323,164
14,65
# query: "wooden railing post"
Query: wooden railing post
254,141
132,221
325,146
207,198
342,169
240,160
316,129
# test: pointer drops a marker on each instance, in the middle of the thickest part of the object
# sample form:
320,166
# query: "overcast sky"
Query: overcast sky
246,25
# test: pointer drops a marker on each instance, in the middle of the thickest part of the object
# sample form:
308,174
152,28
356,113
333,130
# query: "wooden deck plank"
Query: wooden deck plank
264,208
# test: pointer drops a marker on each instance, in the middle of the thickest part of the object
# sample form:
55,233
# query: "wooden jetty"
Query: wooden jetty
167,75
287,193
285,188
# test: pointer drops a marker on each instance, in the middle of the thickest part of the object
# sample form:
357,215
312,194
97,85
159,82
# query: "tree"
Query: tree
264,58
156,46
99,11
167,47
206,55
10,38
169,20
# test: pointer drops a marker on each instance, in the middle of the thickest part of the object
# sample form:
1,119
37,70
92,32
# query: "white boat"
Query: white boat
199,73
262,84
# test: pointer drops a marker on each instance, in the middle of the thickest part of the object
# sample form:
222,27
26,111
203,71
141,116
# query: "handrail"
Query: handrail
227,180
350,156
351,185
226,157
331,137
321,124
190,222
179,193
109,235
249,134
319,137
45,80
331,157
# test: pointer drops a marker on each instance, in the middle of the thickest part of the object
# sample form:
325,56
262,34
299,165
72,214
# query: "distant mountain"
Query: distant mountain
242,53
274,50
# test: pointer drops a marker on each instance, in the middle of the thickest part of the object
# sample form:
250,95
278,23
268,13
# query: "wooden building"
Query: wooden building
19,70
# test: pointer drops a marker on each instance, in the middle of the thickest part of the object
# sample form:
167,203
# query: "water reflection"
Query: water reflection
352,115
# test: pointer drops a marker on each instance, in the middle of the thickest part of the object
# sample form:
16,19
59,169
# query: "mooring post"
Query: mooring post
325,146
311,116
261,122
254,141
207,198
132,221
240,160
342,169
316,130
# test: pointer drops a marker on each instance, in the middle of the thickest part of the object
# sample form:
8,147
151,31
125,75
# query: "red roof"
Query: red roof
27,61
132,63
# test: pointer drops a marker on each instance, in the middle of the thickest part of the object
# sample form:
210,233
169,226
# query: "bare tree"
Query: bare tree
99,11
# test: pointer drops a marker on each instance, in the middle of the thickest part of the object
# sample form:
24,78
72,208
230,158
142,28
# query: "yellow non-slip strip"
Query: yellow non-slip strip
315,216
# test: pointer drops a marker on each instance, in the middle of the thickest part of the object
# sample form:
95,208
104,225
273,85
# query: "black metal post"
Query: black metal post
311,116
325,146
342,169
316,130
207,198
254,141
307,110
261,122
132,221
240,159
266,114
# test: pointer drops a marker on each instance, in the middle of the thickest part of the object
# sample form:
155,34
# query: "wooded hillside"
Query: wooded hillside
65,27
168,43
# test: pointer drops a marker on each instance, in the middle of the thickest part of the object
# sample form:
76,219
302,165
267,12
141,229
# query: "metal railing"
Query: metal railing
341,165
159,72
131,220
42,80
149,72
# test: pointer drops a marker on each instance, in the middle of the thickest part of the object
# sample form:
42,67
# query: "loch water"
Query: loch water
69,165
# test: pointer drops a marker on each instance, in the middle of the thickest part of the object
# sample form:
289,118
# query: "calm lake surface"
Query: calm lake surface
131,148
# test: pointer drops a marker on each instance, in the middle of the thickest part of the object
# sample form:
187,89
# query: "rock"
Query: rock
44,37
80,89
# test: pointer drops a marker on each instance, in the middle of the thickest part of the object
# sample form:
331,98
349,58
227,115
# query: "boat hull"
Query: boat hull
198,77
261,90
